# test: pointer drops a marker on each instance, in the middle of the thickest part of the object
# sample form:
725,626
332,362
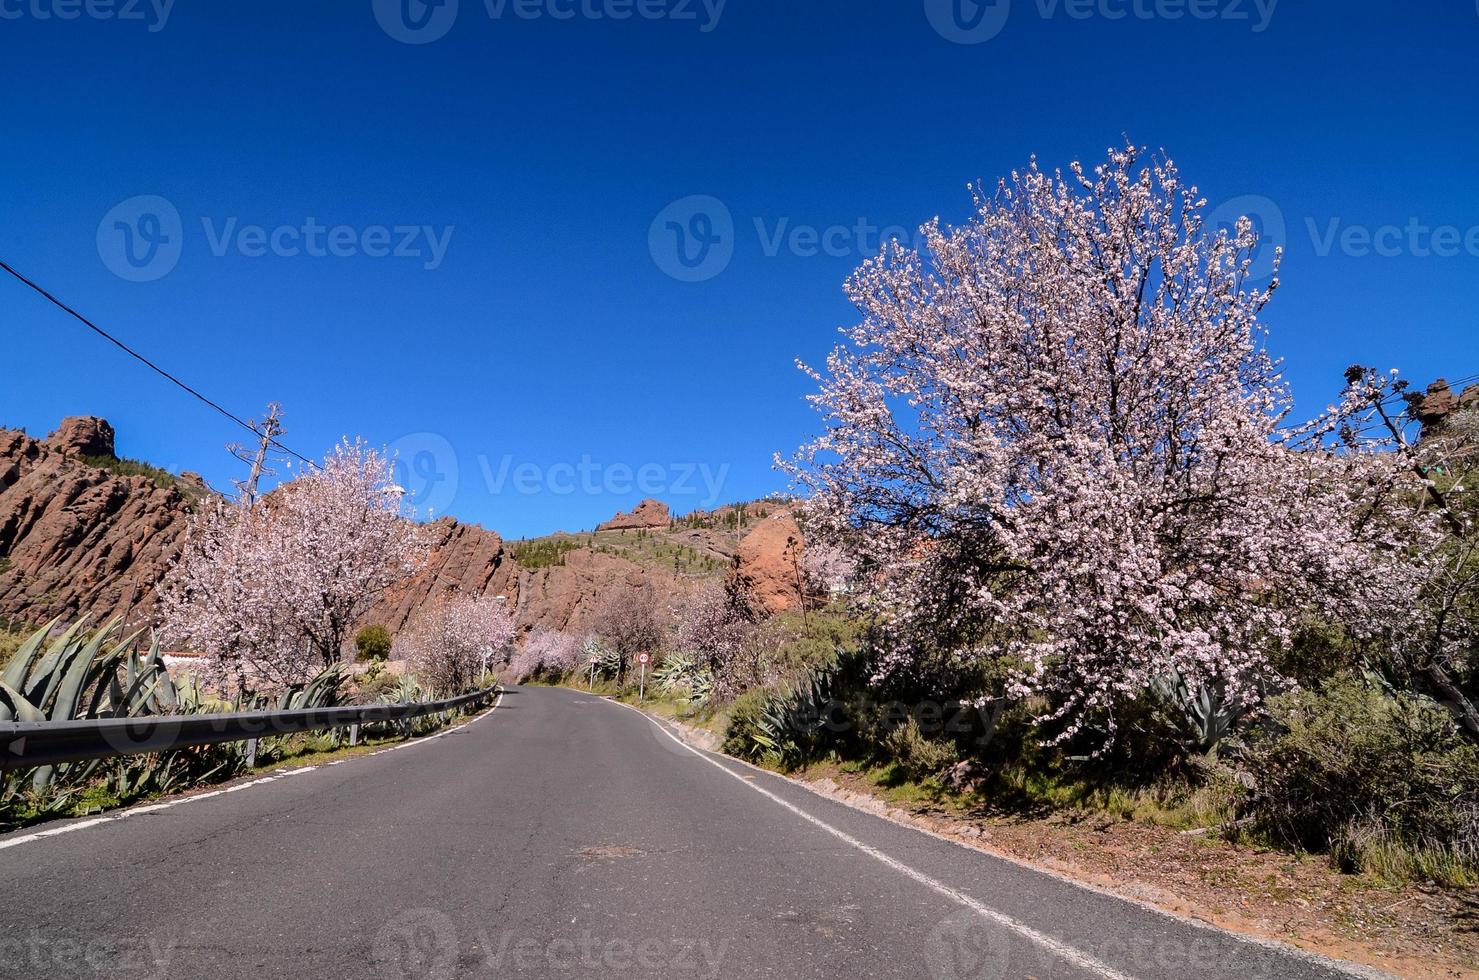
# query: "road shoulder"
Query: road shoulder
1298,904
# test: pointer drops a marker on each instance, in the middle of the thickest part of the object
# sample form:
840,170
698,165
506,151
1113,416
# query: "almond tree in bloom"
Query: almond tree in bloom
271,590
221,597
714,626
826,569
631,620
1055,438
546,651
346,537
454,638
1440,655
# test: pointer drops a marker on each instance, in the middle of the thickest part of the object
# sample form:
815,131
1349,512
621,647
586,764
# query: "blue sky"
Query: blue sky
466,246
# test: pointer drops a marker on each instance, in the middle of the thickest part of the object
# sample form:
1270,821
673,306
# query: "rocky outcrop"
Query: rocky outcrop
569,597
766,566
82,435
647,514
78,539
467,558
1433,407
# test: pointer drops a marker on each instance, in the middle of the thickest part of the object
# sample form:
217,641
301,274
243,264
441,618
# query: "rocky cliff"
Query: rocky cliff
81,532
77,538
647,514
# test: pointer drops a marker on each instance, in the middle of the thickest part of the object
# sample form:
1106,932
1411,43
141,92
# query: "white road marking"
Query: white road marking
282,774
28,838
1062,950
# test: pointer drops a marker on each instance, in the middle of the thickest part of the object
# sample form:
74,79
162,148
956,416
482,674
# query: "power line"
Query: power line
148,363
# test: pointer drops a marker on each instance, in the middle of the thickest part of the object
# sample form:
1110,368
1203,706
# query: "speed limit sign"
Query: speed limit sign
644,659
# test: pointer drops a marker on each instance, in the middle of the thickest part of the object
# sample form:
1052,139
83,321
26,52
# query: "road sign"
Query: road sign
644,659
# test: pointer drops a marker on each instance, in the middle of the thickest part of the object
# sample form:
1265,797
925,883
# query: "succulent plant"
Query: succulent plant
101,673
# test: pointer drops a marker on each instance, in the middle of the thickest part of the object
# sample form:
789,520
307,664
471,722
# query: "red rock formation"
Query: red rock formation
1432,407
765,572
82,435
77,539
647,514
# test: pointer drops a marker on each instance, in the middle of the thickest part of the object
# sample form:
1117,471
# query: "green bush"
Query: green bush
373,642
374,686
1383,783
919,757
745,735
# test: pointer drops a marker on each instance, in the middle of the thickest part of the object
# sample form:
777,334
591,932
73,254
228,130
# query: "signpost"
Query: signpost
592,684
644,659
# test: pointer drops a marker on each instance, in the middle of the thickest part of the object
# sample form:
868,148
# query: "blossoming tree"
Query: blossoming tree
271,590
546,651
1055,438
454,638
345,537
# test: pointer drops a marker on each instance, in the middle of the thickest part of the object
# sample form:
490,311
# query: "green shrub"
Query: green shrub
1382,782
744,736
373,642
374,686
919,757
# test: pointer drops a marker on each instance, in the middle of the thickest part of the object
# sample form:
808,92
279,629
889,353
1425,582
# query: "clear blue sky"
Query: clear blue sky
545,330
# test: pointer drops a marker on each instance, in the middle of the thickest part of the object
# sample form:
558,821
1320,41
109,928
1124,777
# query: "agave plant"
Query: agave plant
790,727
1207,714
608,661
81,674
407,689
680,676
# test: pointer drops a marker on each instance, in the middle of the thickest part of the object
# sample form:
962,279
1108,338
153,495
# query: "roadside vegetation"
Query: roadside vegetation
1066,552
76,672
267,590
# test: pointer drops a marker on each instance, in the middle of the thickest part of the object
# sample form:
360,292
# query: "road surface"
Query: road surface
562,836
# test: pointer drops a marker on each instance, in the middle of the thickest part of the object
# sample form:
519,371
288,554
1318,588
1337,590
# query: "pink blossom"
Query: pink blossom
1055,437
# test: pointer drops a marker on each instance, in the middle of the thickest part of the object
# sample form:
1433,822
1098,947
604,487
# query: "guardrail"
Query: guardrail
24,745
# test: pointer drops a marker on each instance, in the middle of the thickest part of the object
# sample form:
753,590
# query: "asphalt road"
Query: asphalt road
562,836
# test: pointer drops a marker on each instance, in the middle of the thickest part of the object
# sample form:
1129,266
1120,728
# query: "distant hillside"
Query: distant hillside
84,532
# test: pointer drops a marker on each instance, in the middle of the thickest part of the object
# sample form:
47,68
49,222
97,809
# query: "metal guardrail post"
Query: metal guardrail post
251,753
